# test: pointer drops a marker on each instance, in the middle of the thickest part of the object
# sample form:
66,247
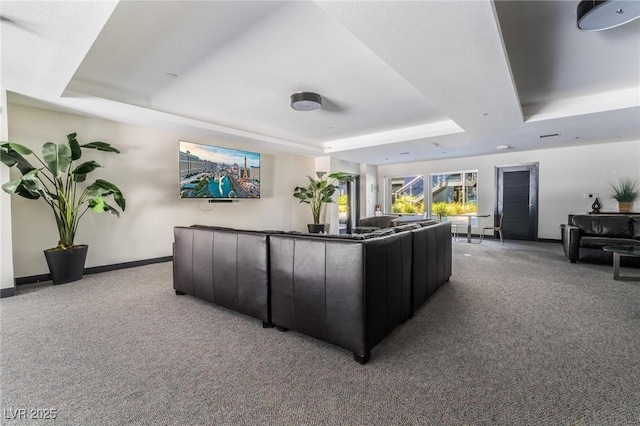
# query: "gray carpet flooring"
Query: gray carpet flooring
518,336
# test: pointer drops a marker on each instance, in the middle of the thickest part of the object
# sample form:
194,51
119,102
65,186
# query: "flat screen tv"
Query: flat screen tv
215,172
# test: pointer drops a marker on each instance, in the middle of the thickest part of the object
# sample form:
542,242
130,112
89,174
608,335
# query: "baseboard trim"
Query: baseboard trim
94,270
549,240
7,292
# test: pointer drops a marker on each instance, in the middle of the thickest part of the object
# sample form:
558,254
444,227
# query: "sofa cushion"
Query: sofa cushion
378,233
429,222
328,236
599,242
407,227
635,224
604,226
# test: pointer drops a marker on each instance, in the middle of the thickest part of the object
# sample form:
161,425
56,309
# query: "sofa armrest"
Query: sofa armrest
571,242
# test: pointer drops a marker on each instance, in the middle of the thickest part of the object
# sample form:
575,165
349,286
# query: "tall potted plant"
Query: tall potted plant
625,192
55,179
319,192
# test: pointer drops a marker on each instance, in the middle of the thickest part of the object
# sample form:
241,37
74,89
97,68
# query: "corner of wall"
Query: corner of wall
7,285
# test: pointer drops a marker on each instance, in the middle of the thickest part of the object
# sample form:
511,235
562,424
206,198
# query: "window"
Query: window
407,194
454,193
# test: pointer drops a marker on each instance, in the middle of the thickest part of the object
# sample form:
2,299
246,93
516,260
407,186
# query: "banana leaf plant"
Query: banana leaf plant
320,191
55,179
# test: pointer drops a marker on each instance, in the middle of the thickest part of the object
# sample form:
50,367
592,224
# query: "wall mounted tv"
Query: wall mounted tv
218,173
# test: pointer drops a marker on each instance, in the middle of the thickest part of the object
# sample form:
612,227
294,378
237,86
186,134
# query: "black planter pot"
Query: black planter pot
316,229
66,266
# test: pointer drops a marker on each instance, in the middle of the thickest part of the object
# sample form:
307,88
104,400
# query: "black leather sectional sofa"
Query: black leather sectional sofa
584,236
350,291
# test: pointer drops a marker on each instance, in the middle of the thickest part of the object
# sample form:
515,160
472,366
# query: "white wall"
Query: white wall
6,261
147,173
565,175
368,198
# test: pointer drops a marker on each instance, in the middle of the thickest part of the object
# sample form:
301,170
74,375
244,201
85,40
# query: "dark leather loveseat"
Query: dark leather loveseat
347,290
584,236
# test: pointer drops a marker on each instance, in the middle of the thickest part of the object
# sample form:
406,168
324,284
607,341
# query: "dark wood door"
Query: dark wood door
517,199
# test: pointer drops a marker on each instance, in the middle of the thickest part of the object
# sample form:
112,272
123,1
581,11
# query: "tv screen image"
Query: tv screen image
218,173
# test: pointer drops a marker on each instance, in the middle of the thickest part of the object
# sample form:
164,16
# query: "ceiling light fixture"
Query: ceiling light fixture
503,147
601,15
306,101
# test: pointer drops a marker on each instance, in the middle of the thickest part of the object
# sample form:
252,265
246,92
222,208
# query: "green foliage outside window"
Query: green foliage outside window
342,203
407,204
451,209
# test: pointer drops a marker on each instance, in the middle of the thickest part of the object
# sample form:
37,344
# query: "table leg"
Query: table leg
468,229
616,270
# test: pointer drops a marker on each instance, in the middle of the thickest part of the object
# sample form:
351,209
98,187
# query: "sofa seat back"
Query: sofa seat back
599,242
604,226
431,262
348,292
227,267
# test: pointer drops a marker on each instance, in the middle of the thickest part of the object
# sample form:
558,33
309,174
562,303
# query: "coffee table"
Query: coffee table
633,251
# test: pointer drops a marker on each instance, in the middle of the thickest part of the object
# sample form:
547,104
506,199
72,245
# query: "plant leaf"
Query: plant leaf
101,146
342,177
20,149
76,151
11,186
26,193
100,205
57,158
28,186
10,156
81,171
101,188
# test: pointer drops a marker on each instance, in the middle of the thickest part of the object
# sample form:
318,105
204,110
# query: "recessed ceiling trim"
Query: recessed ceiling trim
440,128
601,102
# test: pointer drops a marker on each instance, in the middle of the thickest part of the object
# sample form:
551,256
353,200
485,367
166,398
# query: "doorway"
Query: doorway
517,199
348,205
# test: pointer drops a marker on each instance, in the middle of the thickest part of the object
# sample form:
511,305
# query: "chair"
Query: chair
456,225
497,229
454,231
385,221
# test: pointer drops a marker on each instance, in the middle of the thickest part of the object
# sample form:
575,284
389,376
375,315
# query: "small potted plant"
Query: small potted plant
625,192
55,179
319,192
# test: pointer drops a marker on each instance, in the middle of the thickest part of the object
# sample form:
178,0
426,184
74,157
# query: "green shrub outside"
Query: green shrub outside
407,204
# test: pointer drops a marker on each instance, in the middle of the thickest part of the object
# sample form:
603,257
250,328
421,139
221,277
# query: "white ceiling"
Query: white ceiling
435,79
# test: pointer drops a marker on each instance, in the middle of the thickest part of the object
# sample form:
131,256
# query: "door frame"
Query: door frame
353,207
533,169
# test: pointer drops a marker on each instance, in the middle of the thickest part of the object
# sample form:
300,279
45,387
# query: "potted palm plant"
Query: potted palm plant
319,192
625,192
54,179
